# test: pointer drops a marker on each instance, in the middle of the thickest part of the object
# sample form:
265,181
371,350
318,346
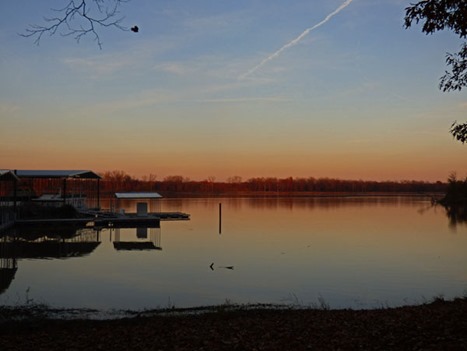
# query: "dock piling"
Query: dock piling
220,218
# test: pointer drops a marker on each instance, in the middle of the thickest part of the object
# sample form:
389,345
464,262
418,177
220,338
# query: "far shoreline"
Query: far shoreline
297,194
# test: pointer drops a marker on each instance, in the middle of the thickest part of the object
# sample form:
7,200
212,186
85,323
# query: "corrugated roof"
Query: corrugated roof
85,174
139,195
7,175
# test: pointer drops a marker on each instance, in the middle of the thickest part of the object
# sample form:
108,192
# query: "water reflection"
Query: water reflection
8,268
142,238
457,215
45,242
21,243
42,242
351,252
310,203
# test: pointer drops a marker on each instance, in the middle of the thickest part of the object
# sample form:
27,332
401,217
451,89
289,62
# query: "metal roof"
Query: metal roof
7,175
84,174
141,195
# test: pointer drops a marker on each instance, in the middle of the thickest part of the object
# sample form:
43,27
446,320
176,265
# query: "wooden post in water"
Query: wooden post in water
98,194
15,193
220,218
64,191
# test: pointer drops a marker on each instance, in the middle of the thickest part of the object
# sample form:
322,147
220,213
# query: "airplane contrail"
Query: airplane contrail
297,39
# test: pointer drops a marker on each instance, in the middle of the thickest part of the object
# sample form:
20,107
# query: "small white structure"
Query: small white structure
146,202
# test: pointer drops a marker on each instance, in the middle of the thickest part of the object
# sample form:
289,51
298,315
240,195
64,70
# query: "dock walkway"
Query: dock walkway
108,220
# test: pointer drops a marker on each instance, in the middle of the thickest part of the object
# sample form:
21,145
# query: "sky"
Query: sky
220,88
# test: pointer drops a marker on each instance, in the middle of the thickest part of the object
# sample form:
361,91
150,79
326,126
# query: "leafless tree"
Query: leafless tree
80,18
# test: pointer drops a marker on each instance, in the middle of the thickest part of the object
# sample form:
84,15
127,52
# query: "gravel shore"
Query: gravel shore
440,325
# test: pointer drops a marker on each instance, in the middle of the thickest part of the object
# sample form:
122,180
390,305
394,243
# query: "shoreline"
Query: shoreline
432,326
297,194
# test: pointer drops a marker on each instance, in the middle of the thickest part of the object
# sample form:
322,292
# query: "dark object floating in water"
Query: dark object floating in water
135,29
225,267
130,245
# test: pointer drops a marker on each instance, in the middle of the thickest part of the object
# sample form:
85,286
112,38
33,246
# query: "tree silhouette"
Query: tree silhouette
80,18
437,15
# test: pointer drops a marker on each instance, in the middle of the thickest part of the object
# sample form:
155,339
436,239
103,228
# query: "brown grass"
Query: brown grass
440,325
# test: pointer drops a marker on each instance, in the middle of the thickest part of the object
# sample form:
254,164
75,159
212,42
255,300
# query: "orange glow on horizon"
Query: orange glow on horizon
427,163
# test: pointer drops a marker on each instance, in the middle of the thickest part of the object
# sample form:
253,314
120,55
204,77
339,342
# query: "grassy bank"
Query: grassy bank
439,325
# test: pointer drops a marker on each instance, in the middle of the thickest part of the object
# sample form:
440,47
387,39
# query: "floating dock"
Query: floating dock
110,220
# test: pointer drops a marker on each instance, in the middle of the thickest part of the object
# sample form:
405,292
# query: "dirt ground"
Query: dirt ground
440,325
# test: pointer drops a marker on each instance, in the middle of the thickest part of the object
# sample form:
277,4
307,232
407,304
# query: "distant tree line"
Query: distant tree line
114,181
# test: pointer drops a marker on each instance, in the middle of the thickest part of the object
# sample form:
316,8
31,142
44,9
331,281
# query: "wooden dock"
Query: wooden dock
127,222
173,216
110,220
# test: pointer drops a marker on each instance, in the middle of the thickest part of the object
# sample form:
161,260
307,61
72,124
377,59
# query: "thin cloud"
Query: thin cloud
144,99
99,66
296,40
247,99
8,109
173,68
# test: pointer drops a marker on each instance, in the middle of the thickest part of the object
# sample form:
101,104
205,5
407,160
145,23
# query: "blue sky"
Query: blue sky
356,98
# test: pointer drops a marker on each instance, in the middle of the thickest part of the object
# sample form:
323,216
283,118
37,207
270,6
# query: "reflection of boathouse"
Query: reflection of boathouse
144,238
8,266
50,246
42,243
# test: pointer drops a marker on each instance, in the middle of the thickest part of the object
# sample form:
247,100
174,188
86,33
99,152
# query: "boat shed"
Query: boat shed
57,174
62,186
145,202
7,175
7,186
8,182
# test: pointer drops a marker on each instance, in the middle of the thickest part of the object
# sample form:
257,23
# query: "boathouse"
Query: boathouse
146,202
79,188
8,182
8,266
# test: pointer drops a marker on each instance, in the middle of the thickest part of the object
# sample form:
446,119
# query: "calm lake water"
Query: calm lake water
343,252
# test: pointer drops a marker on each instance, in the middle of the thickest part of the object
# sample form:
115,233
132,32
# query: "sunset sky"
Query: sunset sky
322,88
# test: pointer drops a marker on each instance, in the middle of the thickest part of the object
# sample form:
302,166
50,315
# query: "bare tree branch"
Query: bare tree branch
78,19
